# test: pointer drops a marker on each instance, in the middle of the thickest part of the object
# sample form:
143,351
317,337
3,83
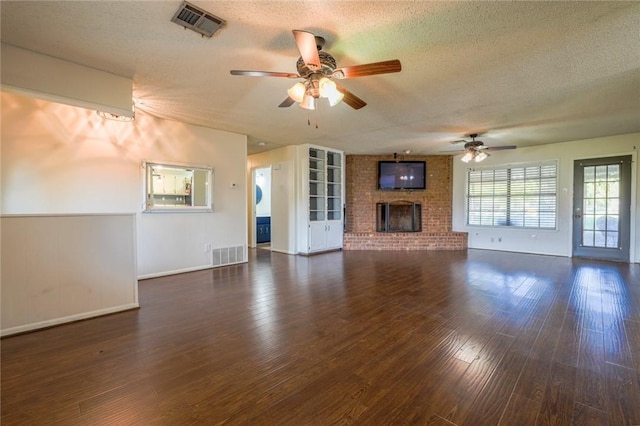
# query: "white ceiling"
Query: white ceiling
522,73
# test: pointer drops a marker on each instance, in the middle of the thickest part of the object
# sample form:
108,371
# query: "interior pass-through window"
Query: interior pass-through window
170,187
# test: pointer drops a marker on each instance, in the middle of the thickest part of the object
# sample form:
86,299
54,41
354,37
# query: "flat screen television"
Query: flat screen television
401,175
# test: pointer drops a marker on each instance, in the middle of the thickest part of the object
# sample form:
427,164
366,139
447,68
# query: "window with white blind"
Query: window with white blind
513,196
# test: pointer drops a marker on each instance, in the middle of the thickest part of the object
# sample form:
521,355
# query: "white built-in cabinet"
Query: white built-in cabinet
321,221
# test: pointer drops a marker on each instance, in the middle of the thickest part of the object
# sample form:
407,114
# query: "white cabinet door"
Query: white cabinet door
317,236
334,234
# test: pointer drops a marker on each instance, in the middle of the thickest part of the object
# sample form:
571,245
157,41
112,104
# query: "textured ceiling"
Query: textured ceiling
521,73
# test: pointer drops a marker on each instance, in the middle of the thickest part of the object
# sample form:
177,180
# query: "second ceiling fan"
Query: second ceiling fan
319,70
475,150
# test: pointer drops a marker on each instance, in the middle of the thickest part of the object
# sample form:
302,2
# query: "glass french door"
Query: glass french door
601,208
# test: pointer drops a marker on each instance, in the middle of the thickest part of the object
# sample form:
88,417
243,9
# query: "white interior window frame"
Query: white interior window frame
148,193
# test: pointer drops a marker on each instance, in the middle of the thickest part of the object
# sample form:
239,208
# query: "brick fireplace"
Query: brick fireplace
363,199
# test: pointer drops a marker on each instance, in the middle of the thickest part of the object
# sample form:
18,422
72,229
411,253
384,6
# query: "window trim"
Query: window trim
508,195
147,185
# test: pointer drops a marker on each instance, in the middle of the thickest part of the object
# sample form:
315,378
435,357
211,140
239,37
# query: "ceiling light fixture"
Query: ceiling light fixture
317,86
480,156
475,150
329,90
468,156
116,117
308,102
297,91
474,154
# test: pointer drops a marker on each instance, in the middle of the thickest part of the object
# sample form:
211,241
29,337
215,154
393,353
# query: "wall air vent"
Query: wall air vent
192,17
227,256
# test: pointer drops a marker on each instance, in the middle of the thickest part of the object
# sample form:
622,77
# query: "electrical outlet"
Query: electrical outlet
207,247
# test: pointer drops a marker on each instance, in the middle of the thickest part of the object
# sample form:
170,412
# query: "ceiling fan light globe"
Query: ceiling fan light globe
327,87
308,102
480,156
468,156
335,98
296,92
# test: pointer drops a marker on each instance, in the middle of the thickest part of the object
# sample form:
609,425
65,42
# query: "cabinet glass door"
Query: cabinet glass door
334,186
317,195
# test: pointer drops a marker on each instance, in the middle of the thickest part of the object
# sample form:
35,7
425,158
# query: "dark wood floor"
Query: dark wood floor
371,338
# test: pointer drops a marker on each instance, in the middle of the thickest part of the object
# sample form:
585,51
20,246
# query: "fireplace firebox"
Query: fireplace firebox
399,216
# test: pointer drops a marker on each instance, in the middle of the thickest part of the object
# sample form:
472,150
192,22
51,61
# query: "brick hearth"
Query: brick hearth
405,241
362,195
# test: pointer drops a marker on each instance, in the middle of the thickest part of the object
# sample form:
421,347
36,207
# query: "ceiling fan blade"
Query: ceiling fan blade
498,148
350,99
264,74
306,43
287,102
383,67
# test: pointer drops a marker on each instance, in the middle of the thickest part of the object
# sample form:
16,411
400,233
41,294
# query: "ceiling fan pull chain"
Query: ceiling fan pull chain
309,123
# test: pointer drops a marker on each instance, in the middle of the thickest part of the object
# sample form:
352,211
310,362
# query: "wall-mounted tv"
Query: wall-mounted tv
401,175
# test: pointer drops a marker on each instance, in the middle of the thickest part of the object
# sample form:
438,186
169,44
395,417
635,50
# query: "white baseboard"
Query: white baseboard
283,251
182,271
70,318
173,272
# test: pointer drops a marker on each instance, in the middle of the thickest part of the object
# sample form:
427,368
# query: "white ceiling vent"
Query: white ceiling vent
196,19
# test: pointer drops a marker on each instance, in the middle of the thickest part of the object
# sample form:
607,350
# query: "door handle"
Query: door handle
577,216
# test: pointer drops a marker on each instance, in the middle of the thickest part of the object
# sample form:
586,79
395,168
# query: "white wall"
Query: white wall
60,159
559,241
283,195
57,269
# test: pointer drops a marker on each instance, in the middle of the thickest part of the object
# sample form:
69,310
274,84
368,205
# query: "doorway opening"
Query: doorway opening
262,207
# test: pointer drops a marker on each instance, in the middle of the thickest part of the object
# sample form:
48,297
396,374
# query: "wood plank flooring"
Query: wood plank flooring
357,337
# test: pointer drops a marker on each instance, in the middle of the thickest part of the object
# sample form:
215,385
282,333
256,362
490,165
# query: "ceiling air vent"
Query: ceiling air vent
196,19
